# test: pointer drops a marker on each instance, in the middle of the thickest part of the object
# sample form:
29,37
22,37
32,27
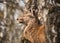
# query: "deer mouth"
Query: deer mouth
21,21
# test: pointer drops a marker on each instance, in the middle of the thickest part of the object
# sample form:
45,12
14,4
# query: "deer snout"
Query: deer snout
21,20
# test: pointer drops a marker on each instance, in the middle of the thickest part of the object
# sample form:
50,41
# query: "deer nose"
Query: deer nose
17,19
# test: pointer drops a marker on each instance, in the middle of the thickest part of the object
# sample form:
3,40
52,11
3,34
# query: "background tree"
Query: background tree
46,11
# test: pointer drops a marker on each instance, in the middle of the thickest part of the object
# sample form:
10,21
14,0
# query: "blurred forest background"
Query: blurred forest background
47,11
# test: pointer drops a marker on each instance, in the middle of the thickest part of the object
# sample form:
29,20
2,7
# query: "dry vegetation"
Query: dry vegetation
38,21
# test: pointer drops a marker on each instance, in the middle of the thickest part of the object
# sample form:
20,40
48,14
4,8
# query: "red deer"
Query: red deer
34,31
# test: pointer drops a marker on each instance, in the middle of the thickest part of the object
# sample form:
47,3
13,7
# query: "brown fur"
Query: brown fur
33,31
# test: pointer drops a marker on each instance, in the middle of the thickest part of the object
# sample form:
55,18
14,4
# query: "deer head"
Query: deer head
25,18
